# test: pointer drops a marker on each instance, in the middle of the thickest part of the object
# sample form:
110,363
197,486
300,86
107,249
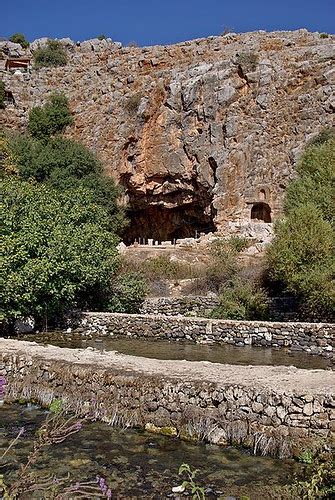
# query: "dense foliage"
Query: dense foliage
57,248
2,94
52,54
127,293
21,39
60,219
241,296
50,119
66,164
46,156
301,257
241,299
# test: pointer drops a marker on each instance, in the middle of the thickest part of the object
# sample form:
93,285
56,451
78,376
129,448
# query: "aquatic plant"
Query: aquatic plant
306,457
56,428
189,484
320,482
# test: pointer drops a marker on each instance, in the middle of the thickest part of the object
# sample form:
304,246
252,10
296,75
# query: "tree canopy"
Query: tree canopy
50,119
301,257
57,248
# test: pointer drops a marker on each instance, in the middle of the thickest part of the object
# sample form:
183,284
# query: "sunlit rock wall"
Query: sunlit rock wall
198,133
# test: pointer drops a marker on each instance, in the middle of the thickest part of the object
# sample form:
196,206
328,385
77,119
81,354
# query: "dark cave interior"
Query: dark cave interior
167,224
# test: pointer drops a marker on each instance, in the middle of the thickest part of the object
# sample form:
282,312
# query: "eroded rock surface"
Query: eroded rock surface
200,133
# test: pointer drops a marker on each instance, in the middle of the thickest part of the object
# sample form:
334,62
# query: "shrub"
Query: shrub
21,39
315,183
102,37
57,249
7,161
51,118
324,35
127,293
238,243
301,257
2,94
325,135
241,299
164,268
133,103
52,54
67,165
247,61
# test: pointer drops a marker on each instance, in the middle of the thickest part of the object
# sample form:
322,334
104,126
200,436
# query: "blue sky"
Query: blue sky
149,22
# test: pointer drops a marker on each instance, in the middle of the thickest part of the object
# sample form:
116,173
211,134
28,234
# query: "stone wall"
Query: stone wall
174,306
283,309
273,410
316,338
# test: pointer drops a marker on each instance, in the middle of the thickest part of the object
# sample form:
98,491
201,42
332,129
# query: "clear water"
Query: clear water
138,464
161,349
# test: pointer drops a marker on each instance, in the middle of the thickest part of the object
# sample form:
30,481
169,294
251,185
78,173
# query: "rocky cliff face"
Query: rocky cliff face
202,134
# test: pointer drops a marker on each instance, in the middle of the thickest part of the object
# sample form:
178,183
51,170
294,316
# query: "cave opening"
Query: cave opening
159,223
261,212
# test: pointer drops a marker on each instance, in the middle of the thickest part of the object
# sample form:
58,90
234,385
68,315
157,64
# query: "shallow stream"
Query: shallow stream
163,349
138,464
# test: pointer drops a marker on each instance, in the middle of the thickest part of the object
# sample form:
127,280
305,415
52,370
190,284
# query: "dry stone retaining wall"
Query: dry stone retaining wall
316,338
174,306
274,410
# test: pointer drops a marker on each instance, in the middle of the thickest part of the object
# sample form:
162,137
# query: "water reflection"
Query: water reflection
160,349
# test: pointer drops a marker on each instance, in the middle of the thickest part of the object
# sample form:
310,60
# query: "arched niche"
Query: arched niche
262,195
261,212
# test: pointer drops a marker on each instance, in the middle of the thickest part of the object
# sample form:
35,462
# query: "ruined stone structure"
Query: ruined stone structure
201,134
274,410
315,338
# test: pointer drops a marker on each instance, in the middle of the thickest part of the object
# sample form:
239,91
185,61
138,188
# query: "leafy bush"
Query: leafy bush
242,300
2,94
133,103
65,164
324,35
315,183
52,54
21,39
301,256
101,37
7,162
164,268
50,119
127,293
247,61
57,249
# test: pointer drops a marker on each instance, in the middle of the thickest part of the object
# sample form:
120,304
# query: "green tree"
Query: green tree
52,54
21,39
301,257
58,249
50,119
316,177
65,164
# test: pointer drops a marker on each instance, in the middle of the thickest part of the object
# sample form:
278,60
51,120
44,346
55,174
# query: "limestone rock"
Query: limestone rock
197,139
